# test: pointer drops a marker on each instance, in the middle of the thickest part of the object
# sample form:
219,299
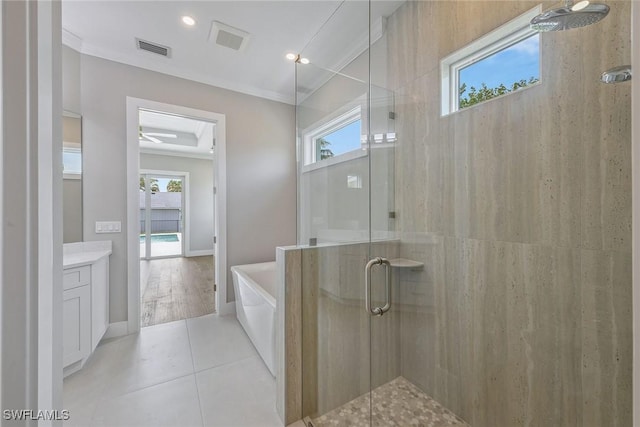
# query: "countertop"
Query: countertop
84,253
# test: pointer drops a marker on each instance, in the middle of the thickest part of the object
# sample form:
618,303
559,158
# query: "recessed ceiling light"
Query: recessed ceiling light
291,56
304,61
188,20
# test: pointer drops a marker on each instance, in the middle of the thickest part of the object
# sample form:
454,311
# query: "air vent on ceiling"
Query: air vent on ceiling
228,36
153,48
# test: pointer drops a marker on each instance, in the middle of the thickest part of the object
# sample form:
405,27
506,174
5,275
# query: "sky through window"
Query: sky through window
520,61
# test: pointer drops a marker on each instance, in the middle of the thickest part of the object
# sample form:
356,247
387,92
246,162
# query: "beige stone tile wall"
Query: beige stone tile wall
337,352
289,334
520,209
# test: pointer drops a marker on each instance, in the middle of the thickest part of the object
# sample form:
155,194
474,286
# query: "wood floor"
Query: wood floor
175,289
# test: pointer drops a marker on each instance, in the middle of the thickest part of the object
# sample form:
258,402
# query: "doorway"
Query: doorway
176,242
163,139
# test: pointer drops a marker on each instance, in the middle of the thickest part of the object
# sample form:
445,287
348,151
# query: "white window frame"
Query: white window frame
502,37
340,119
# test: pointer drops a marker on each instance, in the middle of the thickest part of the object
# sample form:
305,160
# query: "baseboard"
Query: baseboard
204,252
117,329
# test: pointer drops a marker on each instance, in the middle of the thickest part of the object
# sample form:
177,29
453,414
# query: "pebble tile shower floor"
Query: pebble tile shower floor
397,403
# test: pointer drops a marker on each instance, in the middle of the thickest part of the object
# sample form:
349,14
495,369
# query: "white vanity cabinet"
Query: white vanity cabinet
85,306
99,300
76,335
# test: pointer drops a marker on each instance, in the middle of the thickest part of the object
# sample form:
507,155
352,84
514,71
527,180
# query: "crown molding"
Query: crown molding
152,64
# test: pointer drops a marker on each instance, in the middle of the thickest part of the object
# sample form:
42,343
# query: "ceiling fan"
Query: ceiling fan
153,136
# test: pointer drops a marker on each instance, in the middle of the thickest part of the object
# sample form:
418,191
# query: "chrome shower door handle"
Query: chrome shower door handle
377,311
367,286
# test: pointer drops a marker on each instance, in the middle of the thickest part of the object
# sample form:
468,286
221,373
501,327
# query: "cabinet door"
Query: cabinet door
76,277
76,333
99,300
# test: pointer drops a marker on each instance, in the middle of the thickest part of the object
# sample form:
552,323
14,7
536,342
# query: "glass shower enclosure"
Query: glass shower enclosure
469,267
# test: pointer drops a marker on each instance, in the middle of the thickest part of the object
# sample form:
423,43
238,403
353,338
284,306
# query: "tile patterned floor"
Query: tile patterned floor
205,372
195,372
397,403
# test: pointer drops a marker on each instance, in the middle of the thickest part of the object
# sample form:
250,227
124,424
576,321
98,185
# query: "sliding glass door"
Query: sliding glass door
161,216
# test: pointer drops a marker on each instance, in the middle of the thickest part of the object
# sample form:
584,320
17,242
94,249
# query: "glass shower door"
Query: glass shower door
517,216
506,226
387,389
332,91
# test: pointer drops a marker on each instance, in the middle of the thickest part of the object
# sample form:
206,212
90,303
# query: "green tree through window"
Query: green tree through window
325,151
174,186
153,184
484,93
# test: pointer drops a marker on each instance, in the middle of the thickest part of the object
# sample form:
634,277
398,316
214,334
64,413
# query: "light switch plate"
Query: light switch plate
108,227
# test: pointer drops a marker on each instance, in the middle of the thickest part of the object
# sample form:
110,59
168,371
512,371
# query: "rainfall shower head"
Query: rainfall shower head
570,15
617,74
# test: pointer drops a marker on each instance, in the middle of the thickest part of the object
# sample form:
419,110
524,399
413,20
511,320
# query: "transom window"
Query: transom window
501,62
335,139
339,141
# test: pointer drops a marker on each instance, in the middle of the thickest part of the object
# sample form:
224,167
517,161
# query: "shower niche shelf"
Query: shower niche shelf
406,263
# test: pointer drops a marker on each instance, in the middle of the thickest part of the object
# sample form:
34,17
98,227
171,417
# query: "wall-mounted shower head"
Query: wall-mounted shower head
570,15
617,74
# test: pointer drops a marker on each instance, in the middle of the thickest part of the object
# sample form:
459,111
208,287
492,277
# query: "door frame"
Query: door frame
133,205
186,223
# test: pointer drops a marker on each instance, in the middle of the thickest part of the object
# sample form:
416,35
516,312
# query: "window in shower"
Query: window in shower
501,62
334,139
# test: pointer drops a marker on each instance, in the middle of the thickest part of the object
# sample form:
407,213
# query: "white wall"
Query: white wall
261,201
200,195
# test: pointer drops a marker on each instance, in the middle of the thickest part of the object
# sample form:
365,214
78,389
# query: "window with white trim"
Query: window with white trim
503,61
335,139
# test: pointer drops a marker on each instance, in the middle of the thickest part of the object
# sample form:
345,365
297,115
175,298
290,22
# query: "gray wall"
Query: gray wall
261,198
71,80
72,210
200,194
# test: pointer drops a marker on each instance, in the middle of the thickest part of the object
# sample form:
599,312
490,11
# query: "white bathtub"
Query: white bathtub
255,289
